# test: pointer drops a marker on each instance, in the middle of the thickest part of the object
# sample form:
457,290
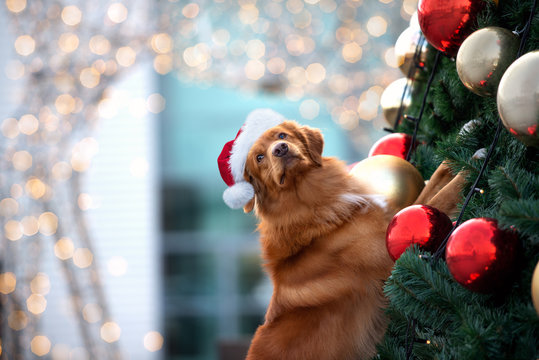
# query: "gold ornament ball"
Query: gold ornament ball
518,98
395,178
535,288
405,49
390,101
483,58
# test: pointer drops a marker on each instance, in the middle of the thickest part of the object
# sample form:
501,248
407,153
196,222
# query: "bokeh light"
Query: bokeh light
8,207
30,225
61,171
83,258
92,313
377,26
64,248
48,223
190,10
71,15
17,320
89,77
126,56
15,70
28,124
22,160
16,6
13,230
309,109
25,45
161,43
352,52
40,284
68,42
40,345
99,45
36,304
155,103
8,282
153,341
110,332
117,12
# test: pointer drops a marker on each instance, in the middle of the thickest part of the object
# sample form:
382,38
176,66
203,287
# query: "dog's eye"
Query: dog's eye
259,157
282,136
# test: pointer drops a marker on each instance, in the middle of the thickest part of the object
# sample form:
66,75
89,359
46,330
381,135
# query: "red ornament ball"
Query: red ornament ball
393,144
480,255
446,24
416,224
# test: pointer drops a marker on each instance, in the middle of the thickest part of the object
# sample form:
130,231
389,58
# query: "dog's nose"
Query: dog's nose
280,149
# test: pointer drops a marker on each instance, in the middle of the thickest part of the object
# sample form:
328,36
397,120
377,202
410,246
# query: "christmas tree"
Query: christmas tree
432,315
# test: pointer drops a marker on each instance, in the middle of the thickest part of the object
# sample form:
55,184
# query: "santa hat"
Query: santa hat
232,159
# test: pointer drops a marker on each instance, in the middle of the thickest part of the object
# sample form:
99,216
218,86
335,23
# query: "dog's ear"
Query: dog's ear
314,143
249,206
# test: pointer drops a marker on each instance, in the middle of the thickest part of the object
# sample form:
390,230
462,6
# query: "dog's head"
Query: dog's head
279,158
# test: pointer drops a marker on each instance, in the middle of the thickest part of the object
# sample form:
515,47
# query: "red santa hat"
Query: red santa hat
232,159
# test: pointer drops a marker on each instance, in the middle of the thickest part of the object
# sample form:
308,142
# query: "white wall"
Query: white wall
124,186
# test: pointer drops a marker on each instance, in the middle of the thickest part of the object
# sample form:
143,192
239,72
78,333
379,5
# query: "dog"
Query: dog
323,246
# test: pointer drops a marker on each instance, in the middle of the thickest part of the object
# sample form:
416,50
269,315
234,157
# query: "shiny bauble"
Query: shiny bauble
394,178
417,224
483,58
408,42
535,288
518,98
396,144
446,24
481,256
392,99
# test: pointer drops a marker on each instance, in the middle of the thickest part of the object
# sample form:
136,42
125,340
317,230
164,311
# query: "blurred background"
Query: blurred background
115,241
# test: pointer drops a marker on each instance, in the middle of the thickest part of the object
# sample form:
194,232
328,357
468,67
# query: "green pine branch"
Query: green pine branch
461,324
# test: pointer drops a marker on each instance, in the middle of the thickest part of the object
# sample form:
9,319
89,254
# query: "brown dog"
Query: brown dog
323,242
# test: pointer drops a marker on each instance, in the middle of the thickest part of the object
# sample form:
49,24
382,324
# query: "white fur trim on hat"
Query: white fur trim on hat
257,122
238,195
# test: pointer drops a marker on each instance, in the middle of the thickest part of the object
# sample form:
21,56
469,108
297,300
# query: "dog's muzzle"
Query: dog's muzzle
280,149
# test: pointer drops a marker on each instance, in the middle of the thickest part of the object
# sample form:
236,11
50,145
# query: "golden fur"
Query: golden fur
323,243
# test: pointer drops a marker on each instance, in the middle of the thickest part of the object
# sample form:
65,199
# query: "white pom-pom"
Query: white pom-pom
238,195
